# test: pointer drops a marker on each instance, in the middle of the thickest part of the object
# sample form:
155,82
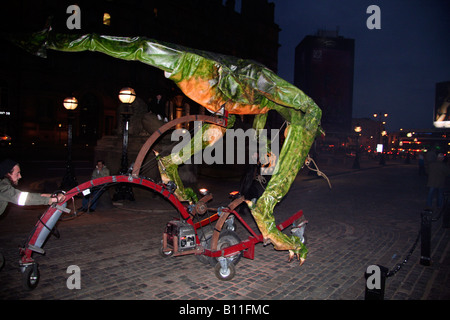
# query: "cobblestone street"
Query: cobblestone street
369,216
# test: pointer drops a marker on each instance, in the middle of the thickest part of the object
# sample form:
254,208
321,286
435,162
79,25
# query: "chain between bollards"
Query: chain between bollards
398,266
377,293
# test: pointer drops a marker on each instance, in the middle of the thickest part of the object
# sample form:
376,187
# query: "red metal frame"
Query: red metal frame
246,246
26,252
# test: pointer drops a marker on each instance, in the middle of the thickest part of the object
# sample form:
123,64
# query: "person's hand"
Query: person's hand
60,197
52,200
55,198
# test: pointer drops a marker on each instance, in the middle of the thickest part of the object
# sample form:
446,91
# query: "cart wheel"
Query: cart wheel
2,261
227,239
227,274
30,277
165,253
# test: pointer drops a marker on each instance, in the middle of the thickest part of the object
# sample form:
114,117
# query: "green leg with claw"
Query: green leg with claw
292,157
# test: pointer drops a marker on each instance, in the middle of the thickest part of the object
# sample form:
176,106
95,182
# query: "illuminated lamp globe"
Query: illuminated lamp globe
70,103
127,95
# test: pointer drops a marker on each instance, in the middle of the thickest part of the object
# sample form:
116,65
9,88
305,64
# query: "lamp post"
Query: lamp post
69,180
382,134
356,164
383,142
127,97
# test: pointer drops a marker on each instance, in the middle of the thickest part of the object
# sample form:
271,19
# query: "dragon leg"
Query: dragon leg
301,134
168,165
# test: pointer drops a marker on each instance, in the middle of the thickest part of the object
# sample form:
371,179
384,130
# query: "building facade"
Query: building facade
324,66
32,89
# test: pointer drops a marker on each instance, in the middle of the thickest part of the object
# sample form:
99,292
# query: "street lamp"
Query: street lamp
70,103
357,130
382,135
69,180
126,96
376,115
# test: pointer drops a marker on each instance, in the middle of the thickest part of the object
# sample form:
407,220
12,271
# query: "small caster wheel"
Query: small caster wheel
225,274
30,276
165,253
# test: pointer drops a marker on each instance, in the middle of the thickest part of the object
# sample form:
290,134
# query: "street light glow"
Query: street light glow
70,103
127,95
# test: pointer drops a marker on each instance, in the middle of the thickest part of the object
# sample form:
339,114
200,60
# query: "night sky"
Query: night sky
396,67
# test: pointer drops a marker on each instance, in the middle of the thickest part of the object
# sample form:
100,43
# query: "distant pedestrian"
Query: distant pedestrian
90,201
158,106
430,157
437,174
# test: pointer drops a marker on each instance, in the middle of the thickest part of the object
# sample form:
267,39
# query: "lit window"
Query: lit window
106,19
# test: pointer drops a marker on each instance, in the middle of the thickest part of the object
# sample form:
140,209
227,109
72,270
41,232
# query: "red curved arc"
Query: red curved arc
169,125
41,224
134,179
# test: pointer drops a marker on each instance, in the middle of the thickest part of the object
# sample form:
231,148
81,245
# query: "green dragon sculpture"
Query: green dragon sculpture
217,82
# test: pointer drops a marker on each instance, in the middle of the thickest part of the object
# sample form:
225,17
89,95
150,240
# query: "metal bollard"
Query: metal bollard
425,235
375,282
446,212
446,218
